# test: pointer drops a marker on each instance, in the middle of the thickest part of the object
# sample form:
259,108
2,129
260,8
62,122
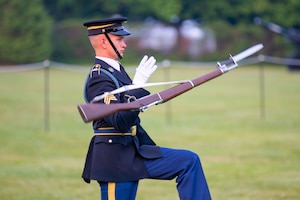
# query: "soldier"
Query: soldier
121,152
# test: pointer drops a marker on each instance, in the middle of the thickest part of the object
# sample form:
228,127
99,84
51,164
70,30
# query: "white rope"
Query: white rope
24,67
133,87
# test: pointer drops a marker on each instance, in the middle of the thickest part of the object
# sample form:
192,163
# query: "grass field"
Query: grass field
247,152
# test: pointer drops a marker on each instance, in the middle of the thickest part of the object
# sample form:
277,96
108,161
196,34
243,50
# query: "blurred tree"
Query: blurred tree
285,13
25,31
133,9
229,19
236,11
233,11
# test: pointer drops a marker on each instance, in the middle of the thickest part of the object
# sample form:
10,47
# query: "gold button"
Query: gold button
110,140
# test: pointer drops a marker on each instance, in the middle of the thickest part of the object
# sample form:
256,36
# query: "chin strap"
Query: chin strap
113,46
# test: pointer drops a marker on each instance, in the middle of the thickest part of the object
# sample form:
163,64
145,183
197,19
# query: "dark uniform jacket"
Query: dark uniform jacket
117,158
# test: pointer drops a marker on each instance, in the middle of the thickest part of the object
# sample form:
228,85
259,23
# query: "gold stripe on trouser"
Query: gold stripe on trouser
111,191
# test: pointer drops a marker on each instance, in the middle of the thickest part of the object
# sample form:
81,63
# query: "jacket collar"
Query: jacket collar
121,75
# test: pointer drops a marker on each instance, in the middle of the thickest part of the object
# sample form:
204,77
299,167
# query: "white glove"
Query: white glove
144,70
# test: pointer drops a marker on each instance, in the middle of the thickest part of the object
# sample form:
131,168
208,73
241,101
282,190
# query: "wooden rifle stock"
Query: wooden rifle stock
95,111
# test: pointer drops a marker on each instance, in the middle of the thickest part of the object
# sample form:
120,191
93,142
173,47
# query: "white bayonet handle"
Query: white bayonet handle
247,52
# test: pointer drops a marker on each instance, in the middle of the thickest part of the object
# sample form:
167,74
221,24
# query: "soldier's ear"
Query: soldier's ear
104,43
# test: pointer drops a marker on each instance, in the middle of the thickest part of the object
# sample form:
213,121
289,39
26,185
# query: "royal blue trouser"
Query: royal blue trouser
118,191
183,165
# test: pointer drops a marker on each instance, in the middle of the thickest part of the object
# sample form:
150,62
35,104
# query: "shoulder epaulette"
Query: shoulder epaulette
97,67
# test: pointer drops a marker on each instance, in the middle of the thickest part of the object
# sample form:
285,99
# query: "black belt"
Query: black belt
110,131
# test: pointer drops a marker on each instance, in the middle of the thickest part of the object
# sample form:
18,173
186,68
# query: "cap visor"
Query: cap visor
121,32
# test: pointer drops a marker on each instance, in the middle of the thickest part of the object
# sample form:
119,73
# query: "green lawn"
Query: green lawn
247,152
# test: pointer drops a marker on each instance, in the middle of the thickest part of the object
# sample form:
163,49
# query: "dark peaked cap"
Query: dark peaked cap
108,25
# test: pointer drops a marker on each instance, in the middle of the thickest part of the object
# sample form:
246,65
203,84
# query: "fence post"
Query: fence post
166,67
46,65
262,87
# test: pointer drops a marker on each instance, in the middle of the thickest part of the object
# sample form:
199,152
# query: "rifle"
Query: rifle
291,33
94,111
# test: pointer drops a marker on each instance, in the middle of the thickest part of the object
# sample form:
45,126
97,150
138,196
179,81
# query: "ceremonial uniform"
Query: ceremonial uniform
117,158
121,152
